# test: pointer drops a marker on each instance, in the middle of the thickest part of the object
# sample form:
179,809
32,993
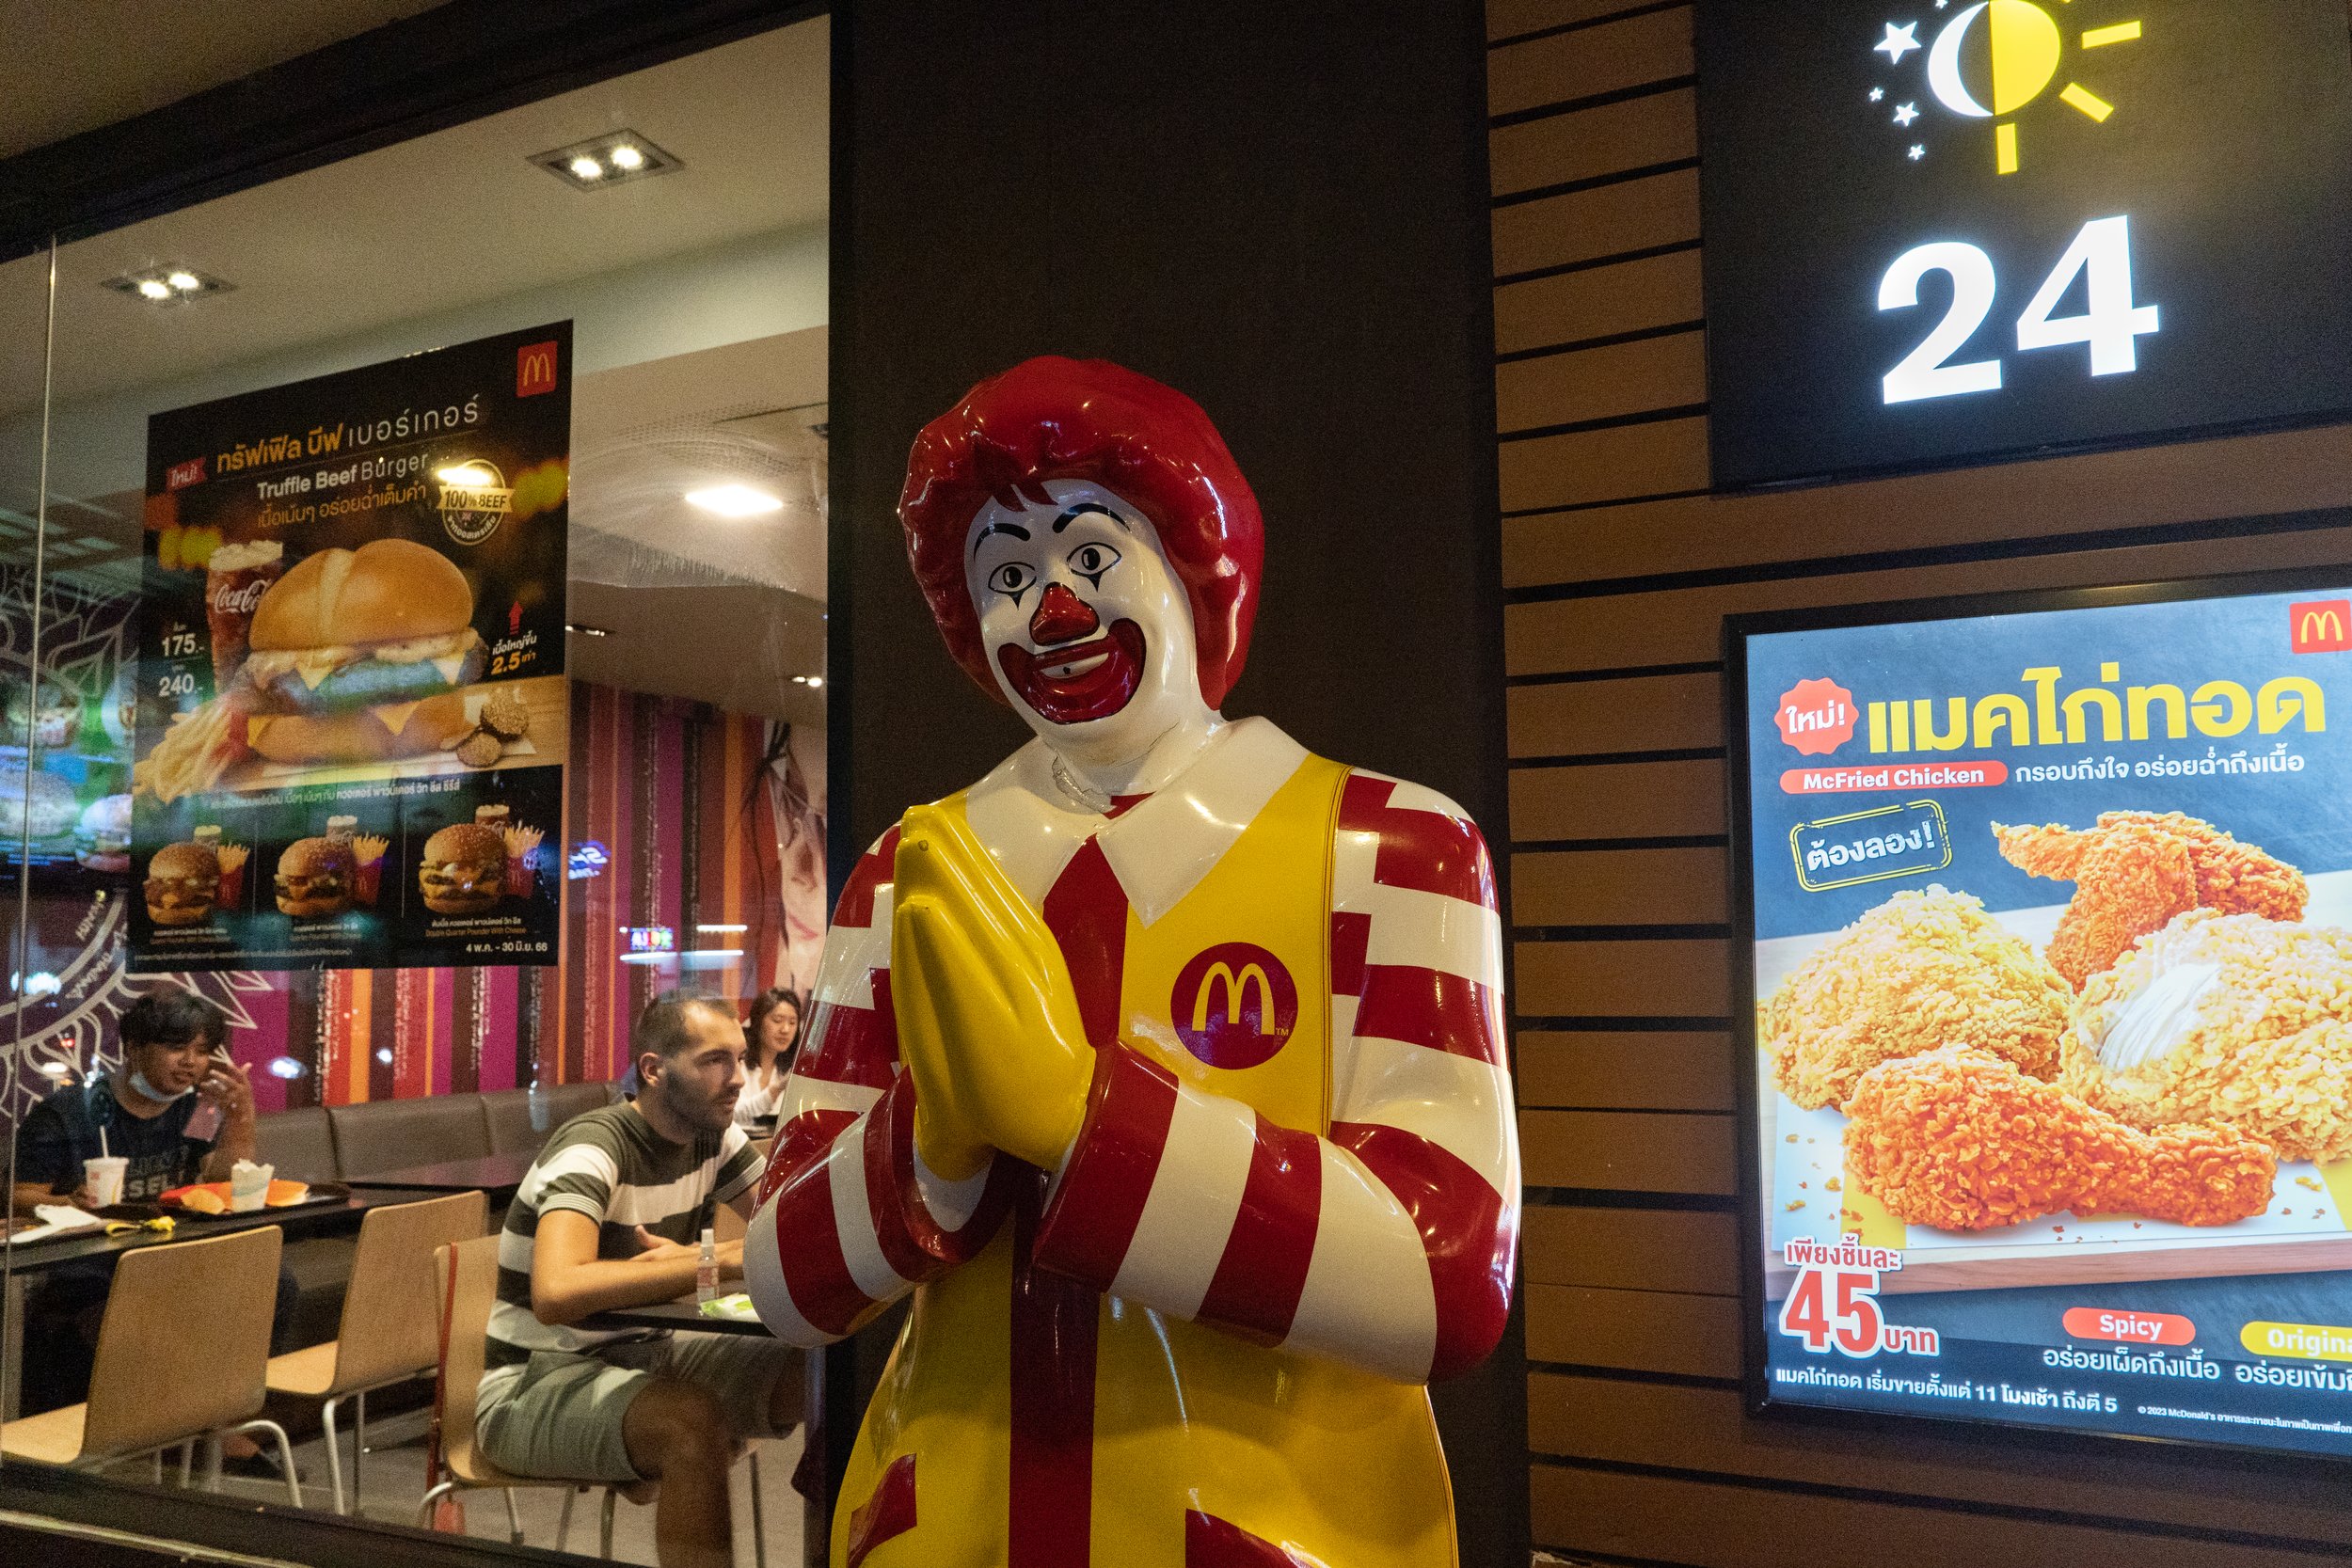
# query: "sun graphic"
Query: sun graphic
1994,59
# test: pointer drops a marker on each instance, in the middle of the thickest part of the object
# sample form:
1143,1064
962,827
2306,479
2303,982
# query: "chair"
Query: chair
183,1352
467,1275
387,1330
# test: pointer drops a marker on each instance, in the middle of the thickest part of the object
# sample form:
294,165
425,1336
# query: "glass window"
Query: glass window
413,666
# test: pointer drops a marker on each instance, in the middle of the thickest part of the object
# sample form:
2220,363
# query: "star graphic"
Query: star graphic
1877,94
1917,152
1906,113
1898,41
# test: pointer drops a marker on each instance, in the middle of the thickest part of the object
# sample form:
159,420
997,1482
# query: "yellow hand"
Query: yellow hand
988,1021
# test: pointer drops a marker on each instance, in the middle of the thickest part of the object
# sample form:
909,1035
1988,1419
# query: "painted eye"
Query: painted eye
1091,560
1013,580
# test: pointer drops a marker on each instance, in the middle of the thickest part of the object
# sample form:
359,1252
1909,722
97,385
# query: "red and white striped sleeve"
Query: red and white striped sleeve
1389,1244
850,1217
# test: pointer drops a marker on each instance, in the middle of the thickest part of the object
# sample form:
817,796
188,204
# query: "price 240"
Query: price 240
2110,324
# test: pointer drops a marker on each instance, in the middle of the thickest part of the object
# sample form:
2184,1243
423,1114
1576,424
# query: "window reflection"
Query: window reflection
357,1122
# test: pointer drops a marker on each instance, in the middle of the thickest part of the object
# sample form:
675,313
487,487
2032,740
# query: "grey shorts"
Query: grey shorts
560,1415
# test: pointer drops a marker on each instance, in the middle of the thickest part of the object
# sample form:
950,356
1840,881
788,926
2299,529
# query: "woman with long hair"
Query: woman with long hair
770,1041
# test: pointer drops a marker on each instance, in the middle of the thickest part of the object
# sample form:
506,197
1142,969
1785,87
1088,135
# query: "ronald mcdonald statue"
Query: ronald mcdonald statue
1164,1066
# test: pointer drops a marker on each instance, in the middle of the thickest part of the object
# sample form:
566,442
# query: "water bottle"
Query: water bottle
538,1107
707,1268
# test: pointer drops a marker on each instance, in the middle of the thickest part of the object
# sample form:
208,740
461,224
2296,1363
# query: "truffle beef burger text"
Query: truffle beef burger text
463,871
314,878
359,654
182,885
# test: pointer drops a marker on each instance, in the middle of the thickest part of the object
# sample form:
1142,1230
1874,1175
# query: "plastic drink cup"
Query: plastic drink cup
235,578
104,1177
248,1186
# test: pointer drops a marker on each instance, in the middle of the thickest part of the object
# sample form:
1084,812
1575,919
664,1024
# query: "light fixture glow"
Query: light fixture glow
154,288
722,927
626,157
816,680
54,1070
585,168
734,501
184,280
465,473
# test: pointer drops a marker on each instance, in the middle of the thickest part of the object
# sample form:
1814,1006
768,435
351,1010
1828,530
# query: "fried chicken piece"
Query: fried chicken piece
2224,1018
1918,971
1961,1140
2136,870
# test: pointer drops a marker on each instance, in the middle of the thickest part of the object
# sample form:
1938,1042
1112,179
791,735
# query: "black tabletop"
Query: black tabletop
497,1175
321,1218
680,1314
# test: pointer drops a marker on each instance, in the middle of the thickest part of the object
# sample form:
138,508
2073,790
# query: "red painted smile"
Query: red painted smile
1073,684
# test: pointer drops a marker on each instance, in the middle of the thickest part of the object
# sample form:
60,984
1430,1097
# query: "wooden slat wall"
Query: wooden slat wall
1619,565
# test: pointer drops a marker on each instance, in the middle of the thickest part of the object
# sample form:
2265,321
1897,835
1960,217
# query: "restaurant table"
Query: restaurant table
681,1314
497,1175
28,1261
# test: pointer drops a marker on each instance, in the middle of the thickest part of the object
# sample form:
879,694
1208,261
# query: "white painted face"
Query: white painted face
1086,626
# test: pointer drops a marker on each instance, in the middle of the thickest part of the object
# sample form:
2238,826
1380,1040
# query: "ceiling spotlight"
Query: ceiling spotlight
735,500
808,680
612,159
588,631
167,284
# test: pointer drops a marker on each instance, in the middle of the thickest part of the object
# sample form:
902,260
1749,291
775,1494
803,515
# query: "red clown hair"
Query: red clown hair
1051,418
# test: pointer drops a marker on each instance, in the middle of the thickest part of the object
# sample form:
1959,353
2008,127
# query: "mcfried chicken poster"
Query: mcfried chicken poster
2052,1035
350,737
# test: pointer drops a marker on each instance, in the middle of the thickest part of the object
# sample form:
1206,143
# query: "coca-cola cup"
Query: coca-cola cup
235,578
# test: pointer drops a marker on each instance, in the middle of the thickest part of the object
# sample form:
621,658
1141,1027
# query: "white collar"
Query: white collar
1161,848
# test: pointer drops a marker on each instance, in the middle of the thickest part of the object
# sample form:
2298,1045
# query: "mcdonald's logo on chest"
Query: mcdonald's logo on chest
1234,1004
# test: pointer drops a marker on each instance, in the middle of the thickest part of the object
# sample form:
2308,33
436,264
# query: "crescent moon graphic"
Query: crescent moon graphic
1943,65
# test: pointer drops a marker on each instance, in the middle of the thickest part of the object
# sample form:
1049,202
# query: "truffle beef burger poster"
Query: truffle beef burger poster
353,640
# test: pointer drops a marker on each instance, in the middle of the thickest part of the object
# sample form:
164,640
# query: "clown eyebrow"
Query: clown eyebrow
1014,528
1081,510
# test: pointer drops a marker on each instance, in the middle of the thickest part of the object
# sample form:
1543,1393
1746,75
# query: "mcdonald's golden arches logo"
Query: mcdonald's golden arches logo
1234,1004
534,369
2322,625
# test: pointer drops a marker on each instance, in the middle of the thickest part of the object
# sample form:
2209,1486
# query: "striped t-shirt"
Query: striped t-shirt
611,1165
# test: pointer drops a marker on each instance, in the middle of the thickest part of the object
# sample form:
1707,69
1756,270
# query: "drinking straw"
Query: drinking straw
103,1149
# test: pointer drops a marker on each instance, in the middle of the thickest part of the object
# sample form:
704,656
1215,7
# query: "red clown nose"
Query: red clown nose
1061,615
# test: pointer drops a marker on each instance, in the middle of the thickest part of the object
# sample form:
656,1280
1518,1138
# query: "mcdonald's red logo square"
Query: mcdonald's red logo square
534,369
2322,625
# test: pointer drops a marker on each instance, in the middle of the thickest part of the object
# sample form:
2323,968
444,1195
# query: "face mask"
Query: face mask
138,1081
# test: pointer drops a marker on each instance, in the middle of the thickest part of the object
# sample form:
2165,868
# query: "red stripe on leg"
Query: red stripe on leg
1428,1006
1464,1231
1093,1214
1263,1271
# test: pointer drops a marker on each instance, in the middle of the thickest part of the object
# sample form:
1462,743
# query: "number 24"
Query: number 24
2110,322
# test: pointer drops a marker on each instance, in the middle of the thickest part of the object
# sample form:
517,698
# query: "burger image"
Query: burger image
50,716
314,878
102,841
360,654
464,870
183,883
41,807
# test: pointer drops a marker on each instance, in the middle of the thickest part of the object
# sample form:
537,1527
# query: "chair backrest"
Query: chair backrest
467,1275
391,1314
184,1348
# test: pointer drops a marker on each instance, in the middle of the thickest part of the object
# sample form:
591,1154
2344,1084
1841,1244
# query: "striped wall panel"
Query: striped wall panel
1619,563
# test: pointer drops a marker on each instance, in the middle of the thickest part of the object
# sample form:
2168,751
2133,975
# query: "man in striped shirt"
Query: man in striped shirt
611,1215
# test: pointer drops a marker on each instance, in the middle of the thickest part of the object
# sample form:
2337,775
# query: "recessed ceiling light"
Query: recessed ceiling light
588,631
735,500
808,680
614,158
167,284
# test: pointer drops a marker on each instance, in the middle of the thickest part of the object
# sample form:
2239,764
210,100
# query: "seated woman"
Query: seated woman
771,1041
